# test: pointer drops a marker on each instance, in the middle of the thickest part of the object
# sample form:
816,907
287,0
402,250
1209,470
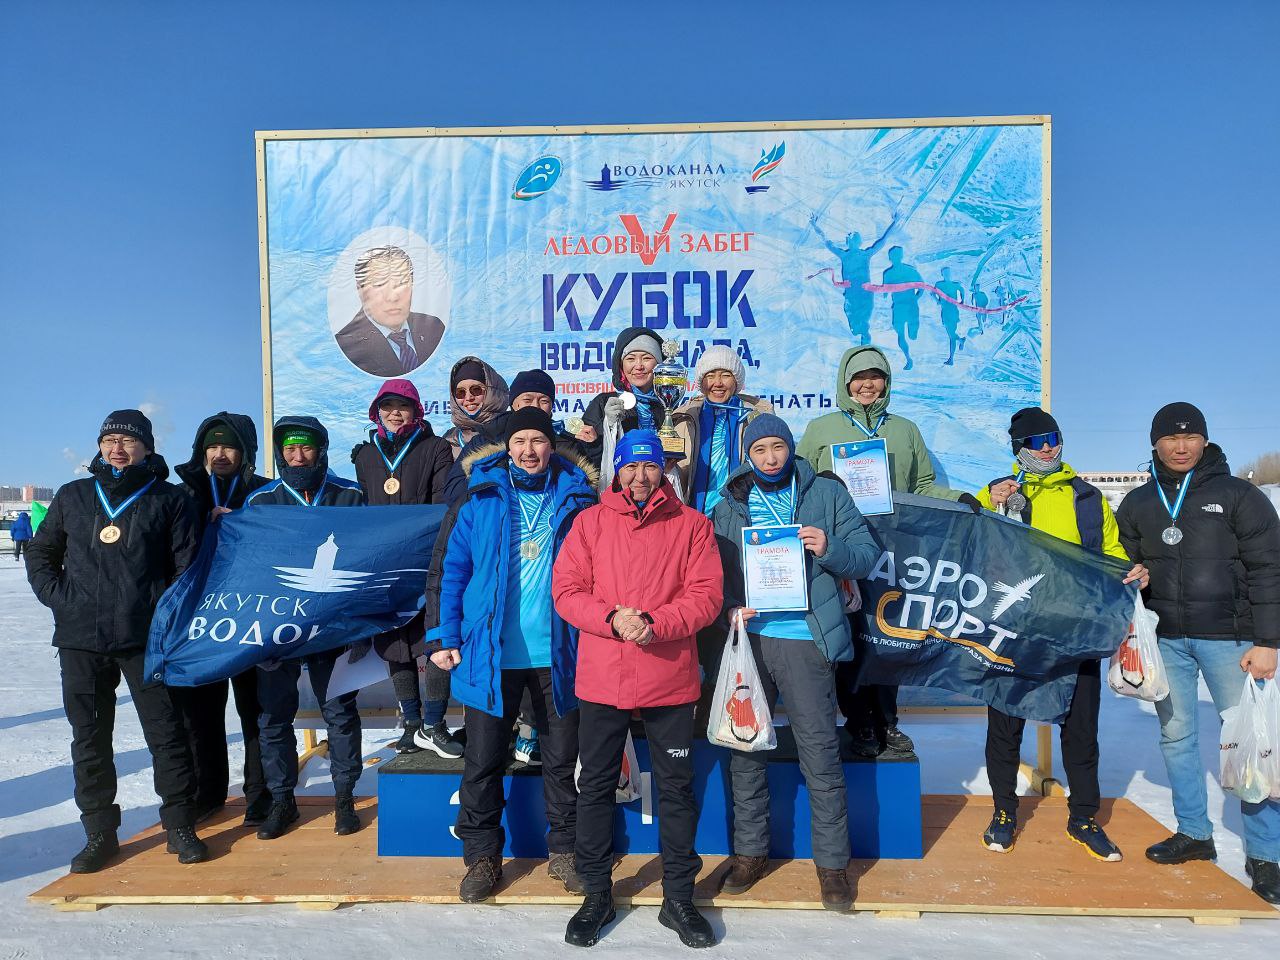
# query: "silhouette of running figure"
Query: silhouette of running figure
950,312
906,309
980,300
855,270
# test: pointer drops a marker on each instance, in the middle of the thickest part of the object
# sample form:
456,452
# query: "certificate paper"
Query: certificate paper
863,465
773,569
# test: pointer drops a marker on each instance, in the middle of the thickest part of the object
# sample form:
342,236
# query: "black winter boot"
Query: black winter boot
1266,878
98,850
585,926
690,925
189,848
283,812
345,821
1180,848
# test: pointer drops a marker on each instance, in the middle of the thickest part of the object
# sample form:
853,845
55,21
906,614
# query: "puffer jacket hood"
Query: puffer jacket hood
301,478
397,388
620,351
193,473
863,358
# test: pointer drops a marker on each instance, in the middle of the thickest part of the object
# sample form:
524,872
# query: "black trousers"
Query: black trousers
1079,748
711,641
669,731
488,750
19,548
89,682
871,707
204,711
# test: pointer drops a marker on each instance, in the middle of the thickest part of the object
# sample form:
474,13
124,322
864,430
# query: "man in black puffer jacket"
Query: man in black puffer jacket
109,547
219,477
1212,544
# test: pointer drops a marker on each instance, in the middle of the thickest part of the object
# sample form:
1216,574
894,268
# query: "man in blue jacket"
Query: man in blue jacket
20,533
795,652
498,622
302,460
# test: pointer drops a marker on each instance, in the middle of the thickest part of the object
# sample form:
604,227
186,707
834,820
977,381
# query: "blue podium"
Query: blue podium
418,798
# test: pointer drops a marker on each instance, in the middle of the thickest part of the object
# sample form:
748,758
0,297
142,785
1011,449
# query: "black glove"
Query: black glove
970,501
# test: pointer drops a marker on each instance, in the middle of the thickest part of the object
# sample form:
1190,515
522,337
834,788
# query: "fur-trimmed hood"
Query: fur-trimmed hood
564,450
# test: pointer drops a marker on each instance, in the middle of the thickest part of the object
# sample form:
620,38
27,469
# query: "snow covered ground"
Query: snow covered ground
40,831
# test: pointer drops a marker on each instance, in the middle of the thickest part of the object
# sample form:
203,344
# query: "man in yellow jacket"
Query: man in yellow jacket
1046,493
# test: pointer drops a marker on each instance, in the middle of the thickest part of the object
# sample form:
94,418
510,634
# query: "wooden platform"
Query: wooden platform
1045,874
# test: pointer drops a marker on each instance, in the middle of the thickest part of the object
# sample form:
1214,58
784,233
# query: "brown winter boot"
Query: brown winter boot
743,873
836,893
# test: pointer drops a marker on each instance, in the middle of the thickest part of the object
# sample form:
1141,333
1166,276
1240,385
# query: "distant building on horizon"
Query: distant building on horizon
1115,484
25,493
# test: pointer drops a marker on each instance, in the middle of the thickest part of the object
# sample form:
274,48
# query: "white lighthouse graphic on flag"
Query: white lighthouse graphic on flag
321,576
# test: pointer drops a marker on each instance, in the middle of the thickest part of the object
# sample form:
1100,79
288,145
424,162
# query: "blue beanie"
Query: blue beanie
638,446
768,425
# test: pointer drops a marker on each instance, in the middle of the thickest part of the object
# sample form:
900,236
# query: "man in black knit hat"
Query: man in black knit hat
109,546
1212,542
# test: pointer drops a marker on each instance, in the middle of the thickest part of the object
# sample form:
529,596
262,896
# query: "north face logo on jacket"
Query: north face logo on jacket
1212,508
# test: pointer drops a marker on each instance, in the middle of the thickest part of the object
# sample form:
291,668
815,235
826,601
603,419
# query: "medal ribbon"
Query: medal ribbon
870,433
112,514
789,503
392,466
302,500
1182,495
531,525
231,491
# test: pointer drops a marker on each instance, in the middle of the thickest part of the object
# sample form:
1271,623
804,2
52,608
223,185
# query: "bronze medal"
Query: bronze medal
392,486
110,533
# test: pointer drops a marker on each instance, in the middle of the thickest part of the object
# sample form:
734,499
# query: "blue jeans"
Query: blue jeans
1185,659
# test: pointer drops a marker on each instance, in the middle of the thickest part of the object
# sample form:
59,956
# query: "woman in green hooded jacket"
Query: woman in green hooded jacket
863,383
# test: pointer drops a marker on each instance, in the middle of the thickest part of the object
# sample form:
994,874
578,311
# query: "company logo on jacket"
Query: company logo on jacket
1212,508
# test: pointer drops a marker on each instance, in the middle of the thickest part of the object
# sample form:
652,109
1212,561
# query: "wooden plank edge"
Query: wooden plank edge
1222,917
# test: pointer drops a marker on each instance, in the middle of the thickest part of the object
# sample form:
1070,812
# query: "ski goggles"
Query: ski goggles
1039,441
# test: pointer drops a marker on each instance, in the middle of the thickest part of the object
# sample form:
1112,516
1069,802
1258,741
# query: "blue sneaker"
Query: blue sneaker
527,750
1086,832
999,836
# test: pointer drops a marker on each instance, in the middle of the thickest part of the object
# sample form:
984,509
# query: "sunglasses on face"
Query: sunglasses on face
462,393
1041,440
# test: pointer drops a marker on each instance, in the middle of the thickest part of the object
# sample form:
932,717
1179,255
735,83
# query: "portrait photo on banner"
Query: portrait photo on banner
388,302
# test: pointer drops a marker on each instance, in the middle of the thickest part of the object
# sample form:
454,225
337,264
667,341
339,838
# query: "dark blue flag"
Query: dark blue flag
279,582
987,607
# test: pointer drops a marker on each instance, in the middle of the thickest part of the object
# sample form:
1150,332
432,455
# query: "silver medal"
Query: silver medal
1171,536
1016,502
529,549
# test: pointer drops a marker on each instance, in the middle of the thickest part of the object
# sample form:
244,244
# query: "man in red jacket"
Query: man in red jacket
639,575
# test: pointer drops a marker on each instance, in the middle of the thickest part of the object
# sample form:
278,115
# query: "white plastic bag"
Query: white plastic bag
1246,747
1271,707
628,788
740,717
1137,669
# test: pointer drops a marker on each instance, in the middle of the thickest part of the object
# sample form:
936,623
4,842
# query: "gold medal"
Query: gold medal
392,486
574,425
110,533
529,549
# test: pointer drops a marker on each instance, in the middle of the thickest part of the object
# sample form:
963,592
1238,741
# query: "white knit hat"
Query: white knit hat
718,357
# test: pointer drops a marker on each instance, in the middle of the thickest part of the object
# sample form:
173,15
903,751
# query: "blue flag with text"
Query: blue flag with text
987,607
277,582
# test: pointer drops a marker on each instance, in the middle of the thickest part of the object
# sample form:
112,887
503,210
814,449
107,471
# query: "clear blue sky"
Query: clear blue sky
128,236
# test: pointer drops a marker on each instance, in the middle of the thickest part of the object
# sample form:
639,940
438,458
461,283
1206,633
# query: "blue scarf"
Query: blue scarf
733,413
644,413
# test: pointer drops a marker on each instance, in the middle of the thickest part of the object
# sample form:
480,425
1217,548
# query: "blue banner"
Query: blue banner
276,582
787,245
987,607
